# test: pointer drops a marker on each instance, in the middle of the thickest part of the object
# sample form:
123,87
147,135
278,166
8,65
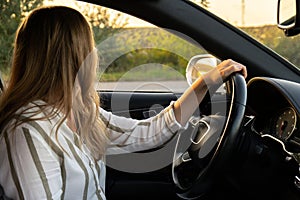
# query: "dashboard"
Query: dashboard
269,157
274,107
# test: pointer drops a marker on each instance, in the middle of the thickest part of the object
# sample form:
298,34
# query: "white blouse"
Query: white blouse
34,164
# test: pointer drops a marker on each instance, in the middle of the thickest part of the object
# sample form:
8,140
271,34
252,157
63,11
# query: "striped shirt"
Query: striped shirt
34,164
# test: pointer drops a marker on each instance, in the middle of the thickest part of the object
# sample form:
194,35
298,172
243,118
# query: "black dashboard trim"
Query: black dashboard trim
290,90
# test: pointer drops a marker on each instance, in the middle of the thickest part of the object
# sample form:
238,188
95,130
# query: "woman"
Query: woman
52,139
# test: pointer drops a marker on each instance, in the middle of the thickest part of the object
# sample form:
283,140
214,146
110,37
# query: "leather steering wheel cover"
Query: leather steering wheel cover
235,118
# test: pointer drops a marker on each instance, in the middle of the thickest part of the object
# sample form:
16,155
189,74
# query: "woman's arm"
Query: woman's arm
185,106
130,135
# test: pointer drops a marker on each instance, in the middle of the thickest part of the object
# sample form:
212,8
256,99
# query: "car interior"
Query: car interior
244,140
252,159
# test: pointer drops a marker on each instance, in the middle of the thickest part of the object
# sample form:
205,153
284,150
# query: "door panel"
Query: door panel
157,184
137,105
140,105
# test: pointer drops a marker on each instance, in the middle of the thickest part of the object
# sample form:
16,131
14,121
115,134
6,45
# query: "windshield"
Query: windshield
258,19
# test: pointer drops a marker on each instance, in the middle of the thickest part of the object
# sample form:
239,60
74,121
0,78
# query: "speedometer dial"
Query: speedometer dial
285,123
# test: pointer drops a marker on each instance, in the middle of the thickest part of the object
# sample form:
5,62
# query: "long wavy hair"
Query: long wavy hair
54,60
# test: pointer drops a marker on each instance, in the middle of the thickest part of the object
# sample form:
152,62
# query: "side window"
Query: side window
138,56
135,55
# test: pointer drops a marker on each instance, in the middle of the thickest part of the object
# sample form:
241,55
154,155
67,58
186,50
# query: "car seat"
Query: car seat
1,84
2,194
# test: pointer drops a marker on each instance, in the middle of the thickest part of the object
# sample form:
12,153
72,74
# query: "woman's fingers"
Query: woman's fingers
223,71
227,67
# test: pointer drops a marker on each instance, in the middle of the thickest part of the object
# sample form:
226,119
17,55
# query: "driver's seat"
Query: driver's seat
2,87
2,194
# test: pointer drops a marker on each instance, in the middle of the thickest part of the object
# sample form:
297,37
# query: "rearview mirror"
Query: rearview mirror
288,18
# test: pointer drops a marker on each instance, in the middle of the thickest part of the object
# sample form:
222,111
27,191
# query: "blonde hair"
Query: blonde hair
54,61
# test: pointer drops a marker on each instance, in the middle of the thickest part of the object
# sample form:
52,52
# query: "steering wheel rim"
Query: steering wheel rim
222,151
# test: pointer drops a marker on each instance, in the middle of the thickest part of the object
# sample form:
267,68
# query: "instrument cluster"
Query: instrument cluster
282,124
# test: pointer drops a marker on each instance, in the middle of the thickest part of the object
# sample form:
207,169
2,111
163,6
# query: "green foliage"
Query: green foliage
104,21
9,20
146,56
133,47
12,12
275,39
155,72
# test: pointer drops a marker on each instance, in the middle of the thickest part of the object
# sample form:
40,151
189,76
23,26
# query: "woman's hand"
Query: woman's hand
185,106
222,72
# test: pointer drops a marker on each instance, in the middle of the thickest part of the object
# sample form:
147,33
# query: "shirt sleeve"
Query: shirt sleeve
34,166
130,135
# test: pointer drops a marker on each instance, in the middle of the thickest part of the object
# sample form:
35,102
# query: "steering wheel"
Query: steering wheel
206,148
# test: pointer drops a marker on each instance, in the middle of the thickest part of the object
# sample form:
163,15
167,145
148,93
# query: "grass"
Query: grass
154,74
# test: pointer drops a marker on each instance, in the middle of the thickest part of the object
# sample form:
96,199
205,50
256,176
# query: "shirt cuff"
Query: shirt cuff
171,121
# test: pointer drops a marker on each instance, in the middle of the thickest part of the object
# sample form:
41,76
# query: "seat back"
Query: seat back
2,86
2,194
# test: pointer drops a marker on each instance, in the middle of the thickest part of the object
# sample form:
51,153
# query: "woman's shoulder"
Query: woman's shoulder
29,109
34,115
